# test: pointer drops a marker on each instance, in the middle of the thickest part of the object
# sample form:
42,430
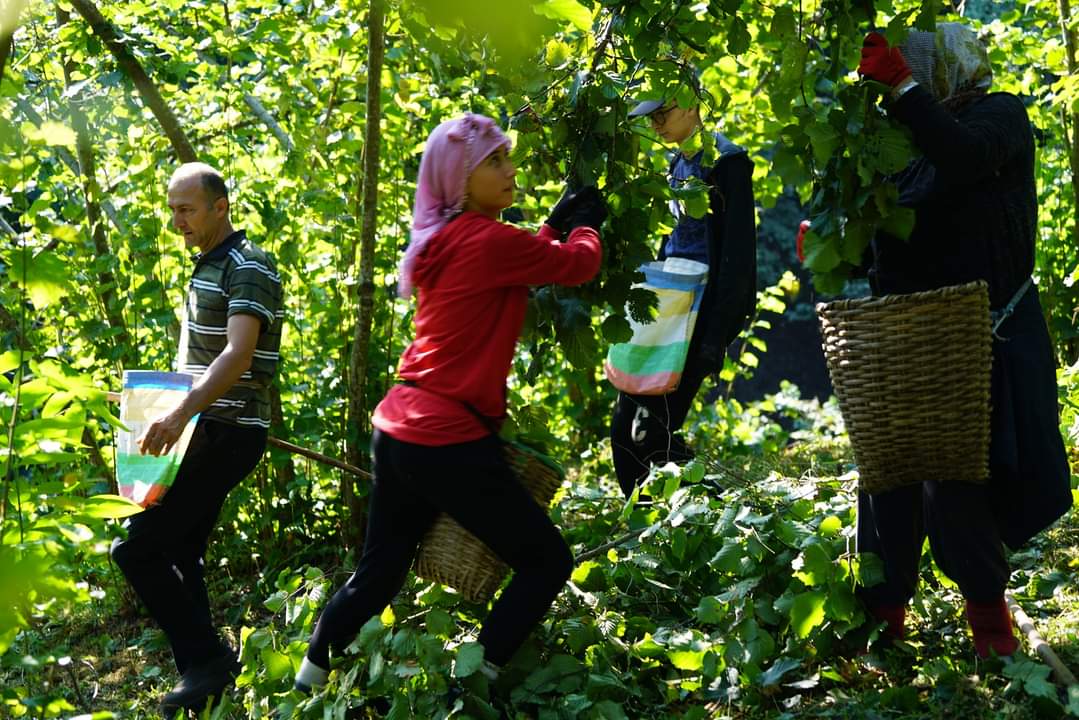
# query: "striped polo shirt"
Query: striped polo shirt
237,276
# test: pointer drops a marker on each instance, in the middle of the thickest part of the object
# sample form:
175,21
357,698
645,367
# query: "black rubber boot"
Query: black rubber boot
200,683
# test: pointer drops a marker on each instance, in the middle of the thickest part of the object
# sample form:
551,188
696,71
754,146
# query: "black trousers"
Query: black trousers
162,557
969,525
644,427
472,483
963,536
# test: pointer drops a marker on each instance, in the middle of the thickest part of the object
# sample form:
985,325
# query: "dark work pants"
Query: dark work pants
472,483
162,557
969,525
643,429
962,532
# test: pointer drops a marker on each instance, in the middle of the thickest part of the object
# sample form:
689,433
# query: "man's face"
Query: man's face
198,218
674,124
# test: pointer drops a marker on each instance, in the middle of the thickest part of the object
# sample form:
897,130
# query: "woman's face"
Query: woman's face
490,186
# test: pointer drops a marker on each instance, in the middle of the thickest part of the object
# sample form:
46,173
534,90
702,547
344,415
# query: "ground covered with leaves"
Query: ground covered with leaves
725,591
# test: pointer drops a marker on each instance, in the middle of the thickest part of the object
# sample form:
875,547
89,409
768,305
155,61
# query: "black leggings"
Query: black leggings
652,439
472,484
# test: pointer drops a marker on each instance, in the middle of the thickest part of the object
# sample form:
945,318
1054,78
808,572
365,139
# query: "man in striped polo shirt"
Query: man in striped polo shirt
230,336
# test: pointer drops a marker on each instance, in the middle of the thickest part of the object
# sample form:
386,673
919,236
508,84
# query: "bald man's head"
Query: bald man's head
209,179
199,202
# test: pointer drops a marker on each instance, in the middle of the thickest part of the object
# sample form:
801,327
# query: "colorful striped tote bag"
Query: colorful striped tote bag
651,362
146,396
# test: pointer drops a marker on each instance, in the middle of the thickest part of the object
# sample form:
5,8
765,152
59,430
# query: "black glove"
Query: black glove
564,209
589,214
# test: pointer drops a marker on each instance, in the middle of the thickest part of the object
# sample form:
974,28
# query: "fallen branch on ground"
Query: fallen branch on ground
1061,672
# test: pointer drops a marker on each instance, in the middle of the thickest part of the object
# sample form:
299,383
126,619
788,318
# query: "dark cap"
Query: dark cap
646,107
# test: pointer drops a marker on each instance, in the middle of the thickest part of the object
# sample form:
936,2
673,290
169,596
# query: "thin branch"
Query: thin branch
597,551
1064,7
319,457
601,46
114,397
170,124
268,120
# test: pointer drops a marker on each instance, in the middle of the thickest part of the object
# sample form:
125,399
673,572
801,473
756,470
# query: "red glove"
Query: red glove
882,63
799,242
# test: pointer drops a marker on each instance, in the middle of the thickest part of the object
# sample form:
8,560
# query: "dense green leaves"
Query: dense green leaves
733,591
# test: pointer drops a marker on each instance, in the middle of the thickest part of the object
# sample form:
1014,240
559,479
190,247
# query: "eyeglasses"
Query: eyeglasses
659,117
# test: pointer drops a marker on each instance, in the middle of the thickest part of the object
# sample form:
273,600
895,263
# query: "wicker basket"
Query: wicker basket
452,556
912,376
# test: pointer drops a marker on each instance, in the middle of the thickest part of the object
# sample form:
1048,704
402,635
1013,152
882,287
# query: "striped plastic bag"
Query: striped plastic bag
146,396
651,362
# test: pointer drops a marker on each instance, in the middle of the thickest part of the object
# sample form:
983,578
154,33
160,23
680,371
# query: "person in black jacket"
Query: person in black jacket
644,427
973,192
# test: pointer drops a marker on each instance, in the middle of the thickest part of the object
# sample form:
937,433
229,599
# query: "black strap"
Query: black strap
488,422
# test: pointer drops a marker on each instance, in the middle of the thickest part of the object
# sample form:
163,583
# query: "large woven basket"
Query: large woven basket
452,556
912,375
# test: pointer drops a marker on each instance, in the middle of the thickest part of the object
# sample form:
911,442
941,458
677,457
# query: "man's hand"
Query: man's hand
164,432
242,332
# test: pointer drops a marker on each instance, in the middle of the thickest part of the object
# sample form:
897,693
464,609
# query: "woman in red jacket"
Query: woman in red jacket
433,447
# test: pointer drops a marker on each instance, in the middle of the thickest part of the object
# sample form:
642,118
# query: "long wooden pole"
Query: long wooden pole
1063,675
114,397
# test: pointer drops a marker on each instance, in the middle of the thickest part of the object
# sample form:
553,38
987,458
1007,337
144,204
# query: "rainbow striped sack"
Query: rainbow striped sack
146,396
651,362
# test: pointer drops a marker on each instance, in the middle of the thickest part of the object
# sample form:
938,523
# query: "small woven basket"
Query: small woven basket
912,374
452,556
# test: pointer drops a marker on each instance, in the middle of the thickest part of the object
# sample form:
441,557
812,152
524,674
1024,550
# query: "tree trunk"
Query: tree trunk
1073,144
7,44
131,67
91,191
14,9
357,401
286,474
110,210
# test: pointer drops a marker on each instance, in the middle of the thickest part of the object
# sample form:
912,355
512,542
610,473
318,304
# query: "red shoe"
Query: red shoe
991,624
895,616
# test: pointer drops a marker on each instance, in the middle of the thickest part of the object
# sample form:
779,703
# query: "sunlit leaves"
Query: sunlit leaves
44,275
50,133
807,612
109,507
788,83
571,11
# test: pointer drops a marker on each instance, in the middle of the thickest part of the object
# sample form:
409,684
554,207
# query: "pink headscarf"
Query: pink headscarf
453,151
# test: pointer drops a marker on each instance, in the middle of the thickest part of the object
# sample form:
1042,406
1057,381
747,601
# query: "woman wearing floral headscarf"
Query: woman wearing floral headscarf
433,446
972,189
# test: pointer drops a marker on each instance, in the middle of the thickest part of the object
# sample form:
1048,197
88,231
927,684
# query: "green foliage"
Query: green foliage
738,589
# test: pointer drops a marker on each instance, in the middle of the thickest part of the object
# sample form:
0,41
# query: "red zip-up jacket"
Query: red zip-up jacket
473,280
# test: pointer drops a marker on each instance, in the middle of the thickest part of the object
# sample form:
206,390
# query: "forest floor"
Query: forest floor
105,659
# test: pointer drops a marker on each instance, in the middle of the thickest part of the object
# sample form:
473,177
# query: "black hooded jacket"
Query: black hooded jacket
730,296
